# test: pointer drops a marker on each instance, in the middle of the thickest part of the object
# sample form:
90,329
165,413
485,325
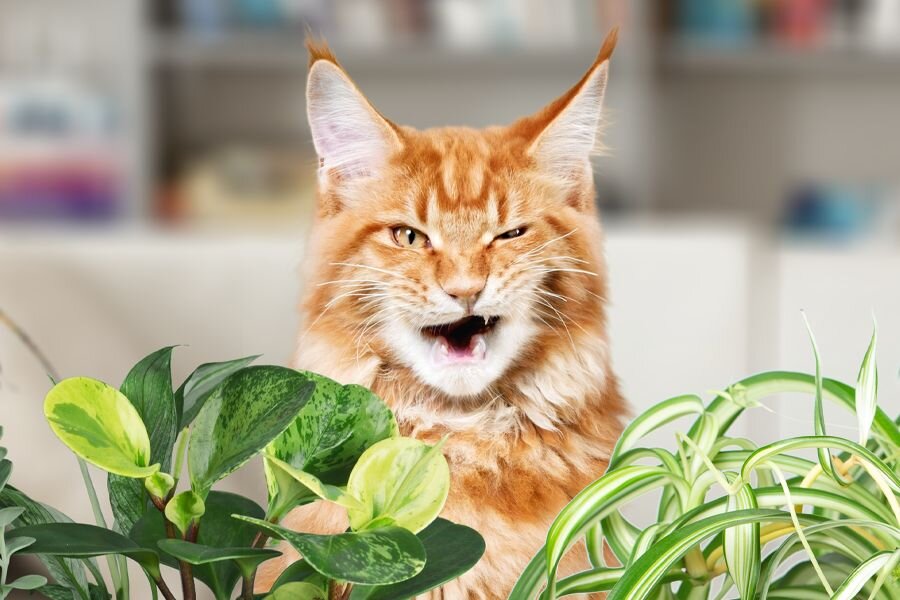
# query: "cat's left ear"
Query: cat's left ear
352,139
564,134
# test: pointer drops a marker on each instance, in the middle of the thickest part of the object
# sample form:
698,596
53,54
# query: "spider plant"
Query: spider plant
811,517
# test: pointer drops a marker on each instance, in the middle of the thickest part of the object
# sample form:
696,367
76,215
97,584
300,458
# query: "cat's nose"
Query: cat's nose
464,289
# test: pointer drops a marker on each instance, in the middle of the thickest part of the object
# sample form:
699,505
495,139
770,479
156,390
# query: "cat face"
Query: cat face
456,253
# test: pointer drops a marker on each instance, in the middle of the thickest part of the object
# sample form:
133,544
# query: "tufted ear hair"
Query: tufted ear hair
352,139
564,134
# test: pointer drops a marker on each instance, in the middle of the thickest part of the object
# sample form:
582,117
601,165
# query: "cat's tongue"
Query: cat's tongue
444,353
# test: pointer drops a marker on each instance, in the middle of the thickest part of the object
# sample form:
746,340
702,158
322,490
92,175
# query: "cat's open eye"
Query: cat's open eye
407,237
512,233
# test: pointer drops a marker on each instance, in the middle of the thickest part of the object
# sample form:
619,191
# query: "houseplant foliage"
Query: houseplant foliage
320,441
11,545
812,517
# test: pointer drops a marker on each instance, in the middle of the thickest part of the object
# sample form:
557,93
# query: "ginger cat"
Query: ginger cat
459,274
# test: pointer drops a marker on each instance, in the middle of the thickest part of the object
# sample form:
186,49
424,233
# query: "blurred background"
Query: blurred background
156,179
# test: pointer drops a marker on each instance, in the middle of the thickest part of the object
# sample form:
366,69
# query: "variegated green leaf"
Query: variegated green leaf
200,385
399,481
373,557
641,578
741,546
451,550
99,424
868,571
651,420
867,390
815,442
824,453
250,409
325,440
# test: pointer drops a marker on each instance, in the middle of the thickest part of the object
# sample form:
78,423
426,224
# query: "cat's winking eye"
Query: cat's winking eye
408,237
512,233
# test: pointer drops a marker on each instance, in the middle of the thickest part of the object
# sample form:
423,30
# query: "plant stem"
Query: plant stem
260,540
247,587
184,569
164,589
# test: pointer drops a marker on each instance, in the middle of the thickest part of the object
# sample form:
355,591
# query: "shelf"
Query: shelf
685,57
286,51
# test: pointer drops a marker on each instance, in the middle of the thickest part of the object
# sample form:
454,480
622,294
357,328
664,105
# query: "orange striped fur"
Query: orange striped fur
535,422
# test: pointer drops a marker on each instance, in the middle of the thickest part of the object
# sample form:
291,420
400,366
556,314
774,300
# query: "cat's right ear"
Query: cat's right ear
352,139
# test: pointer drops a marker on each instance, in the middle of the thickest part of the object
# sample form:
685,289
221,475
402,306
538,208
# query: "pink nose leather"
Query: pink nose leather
465,289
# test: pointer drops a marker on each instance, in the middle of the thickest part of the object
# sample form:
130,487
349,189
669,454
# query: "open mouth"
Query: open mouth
461,341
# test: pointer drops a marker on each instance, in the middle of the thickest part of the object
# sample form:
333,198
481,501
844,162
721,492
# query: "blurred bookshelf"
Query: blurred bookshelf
286,51
685,56
190,113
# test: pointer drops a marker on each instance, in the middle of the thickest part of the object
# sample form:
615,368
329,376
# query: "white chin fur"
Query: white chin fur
503,346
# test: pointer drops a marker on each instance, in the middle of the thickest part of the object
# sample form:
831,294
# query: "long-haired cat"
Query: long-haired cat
459,274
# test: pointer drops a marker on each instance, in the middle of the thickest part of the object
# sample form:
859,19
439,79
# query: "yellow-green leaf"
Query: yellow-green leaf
99,424
401,481
297,590
185,508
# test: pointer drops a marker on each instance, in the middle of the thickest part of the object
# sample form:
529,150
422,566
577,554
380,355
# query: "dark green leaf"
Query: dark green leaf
66,571
451,550
247,559
372,557
217,529
149,388
250,409
200,385
326,439
78,540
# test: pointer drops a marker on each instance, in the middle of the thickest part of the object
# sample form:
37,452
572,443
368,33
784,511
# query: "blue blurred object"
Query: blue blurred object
204,16
258,13
841,211
719,22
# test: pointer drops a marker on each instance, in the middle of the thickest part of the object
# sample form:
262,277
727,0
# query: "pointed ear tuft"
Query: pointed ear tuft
351,138
318,50
563,135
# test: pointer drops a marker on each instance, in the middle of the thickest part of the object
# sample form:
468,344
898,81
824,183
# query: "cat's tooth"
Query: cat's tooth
478,347
440,351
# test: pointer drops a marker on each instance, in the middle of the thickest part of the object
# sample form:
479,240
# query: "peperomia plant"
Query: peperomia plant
320,440
737,520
